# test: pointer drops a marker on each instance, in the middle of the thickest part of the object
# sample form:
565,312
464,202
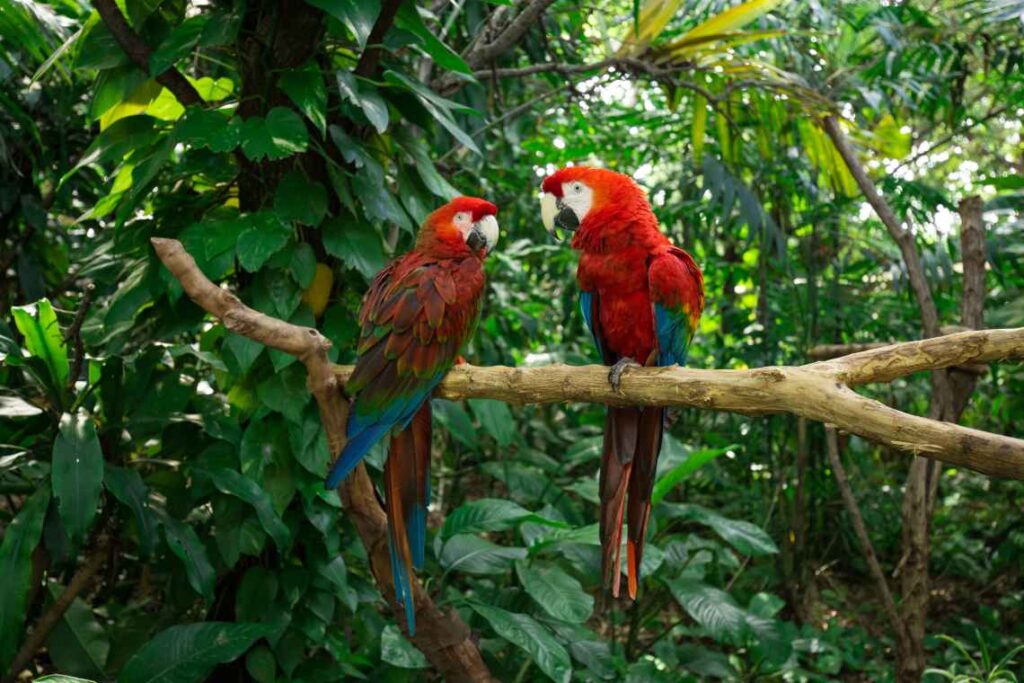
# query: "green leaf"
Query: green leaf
78,644
188,653
184,543
14,407
488,514
358,15
693,461
236,484
303,265
61,678
20,539
356,243
745,537
77,474
261,664
182,40
712,608
300,199
127,486
201,127
281,134
266,236
524,632
474,555
397,651
557,593
366,98
436,105
305,87
408,18
43,338
496,419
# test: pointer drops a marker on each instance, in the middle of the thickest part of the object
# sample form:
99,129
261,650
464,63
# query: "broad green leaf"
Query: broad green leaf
694,461
358,15
524,632
471,554
43,338
77,474
183,542
397,651
356,243
116,142
300,199
557,593
279,135
188,653
366,97
408,18
19,541
712,608
261,664
745,537
266,236
236,484
78,643
302,267
127,486
135,103
61,678
496,419
181,41
488,514
14,407
305,87
208,128
436,105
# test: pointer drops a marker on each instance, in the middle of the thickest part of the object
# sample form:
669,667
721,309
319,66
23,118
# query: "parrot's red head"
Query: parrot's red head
597,204
465,225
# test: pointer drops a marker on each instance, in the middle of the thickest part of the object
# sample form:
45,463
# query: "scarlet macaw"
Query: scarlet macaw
419,312
641,298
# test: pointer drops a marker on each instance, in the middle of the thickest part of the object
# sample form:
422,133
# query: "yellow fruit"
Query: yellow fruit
319,290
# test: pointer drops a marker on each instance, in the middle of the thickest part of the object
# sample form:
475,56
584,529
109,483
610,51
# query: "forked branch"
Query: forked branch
443,638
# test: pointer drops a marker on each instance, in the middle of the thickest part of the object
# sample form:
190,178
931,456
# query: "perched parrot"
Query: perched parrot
417,315
641,297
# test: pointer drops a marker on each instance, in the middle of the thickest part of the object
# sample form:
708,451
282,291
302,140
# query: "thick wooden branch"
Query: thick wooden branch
443,638
818,391
139,52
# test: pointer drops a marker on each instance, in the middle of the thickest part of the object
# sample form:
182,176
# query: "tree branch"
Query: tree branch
818,391
370,59
139,52
443,638
52,616
852,509
482,54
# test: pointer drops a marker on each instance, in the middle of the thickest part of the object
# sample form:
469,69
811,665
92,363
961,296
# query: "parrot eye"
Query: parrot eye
577,188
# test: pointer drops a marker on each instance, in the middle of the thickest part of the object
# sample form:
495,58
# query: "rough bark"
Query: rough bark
139,52
443,638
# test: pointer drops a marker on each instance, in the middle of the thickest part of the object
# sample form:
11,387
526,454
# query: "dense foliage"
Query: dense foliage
184,463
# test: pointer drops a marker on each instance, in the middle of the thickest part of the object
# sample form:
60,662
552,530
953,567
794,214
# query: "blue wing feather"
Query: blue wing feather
673,330
586,307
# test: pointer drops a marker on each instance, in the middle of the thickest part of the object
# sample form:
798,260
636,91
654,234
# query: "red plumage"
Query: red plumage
642,298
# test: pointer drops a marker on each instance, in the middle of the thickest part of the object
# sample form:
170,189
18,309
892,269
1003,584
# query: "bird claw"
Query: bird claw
615,374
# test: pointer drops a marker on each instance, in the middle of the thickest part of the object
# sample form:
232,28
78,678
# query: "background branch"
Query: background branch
443,638
139,52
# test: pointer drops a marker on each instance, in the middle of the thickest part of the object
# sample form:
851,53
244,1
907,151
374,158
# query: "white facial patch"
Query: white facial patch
579,197
488,227
464,222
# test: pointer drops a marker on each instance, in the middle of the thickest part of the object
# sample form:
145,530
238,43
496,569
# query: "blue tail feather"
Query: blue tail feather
403,590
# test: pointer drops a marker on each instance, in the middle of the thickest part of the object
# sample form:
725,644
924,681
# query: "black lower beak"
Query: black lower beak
476,241
567,220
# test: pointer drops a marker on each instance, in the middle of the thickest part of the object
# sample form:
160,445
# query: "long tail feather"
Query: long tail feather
407,494
620,439
641,485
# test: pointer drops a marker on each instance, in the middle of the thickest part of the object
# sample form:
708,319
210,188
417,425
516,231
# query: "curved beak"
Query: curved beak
484,234
554,214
